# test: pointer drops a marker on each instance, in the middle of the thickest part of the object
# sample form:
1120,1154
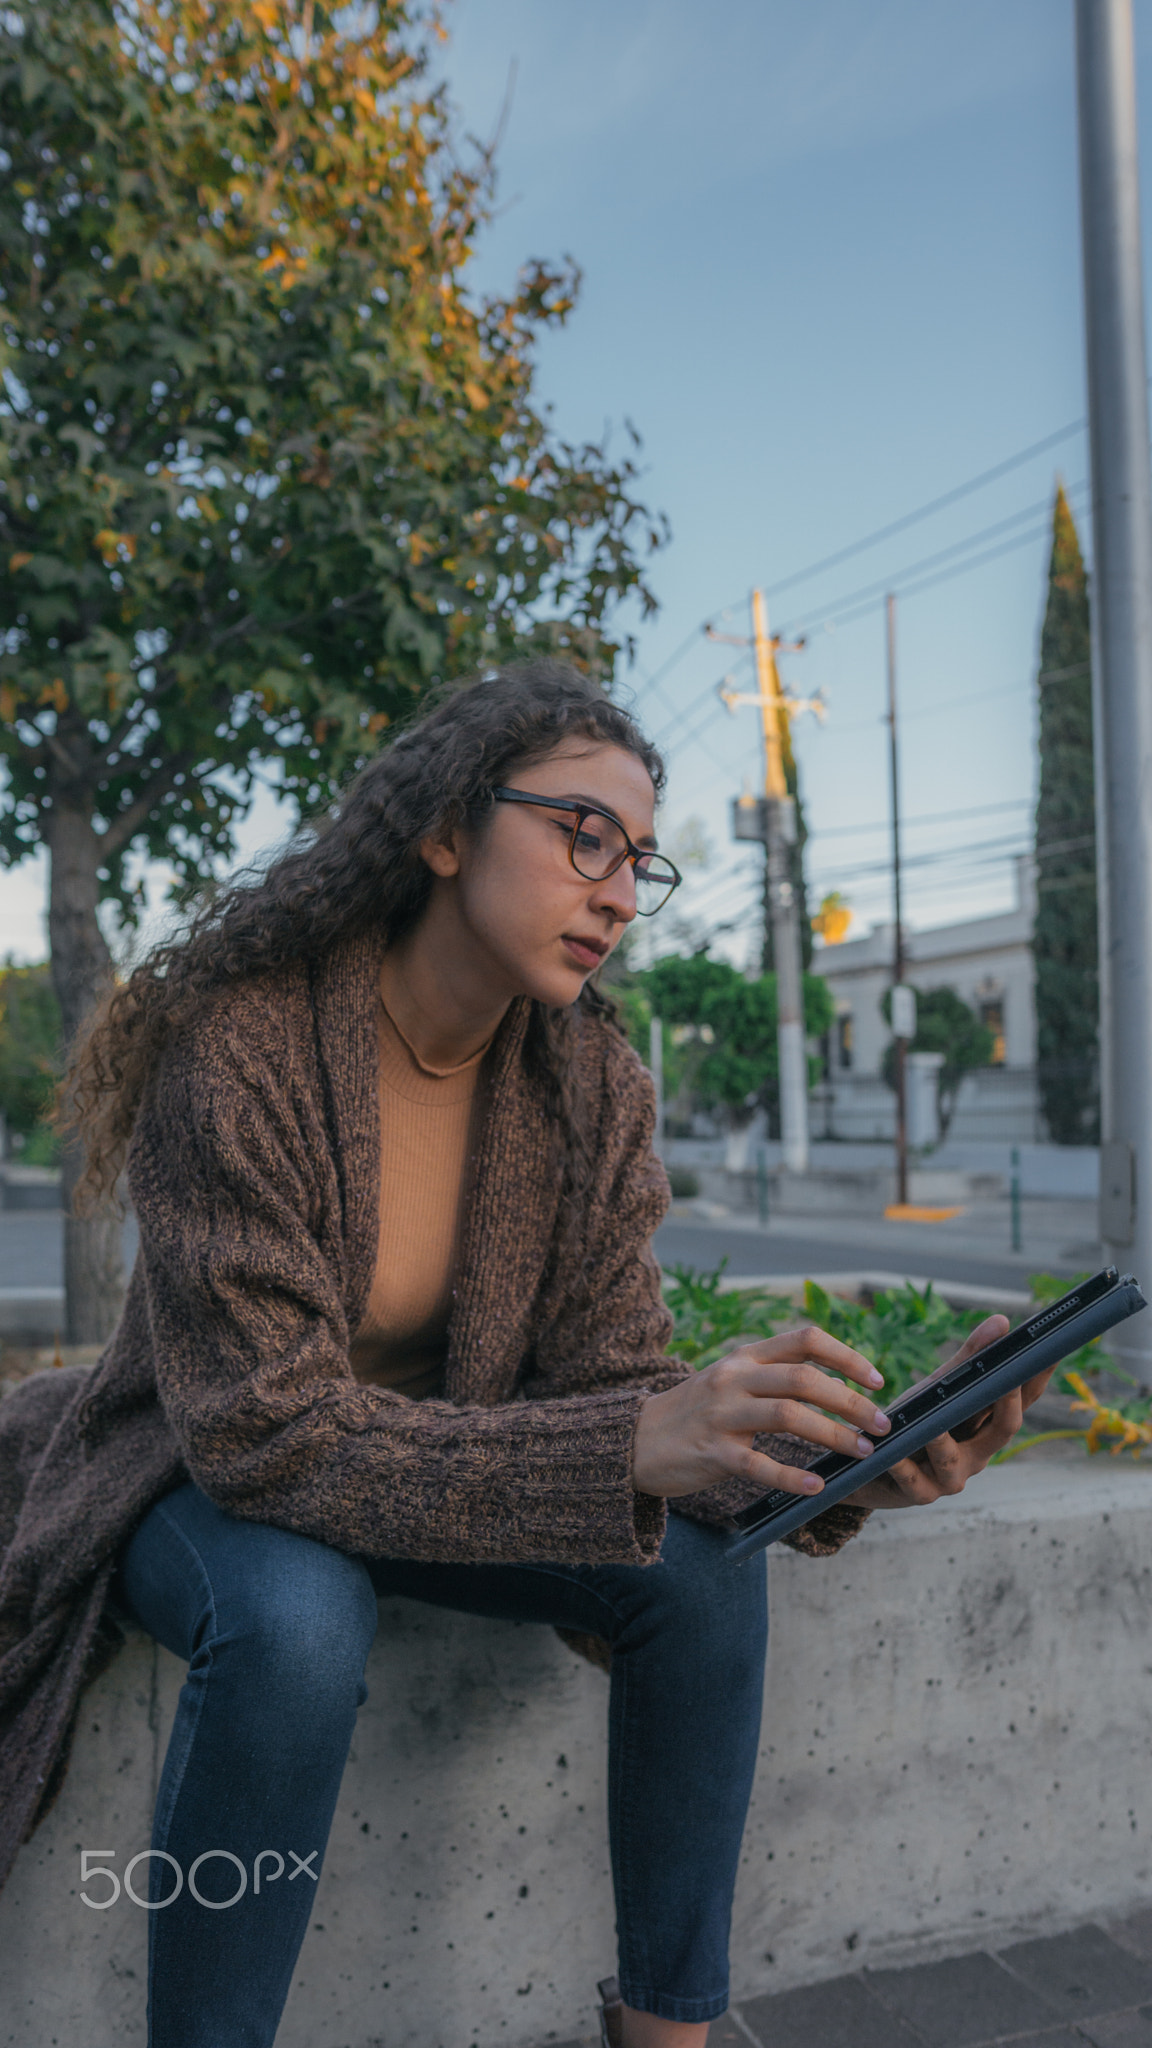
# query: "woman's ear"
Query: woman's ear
441,856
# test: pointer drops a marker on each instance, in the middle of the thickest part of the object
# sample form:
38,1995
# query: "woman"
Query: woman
396,1328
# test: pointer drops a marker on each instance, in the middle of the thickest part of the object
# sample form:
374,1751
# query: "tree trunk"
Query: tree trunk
81,970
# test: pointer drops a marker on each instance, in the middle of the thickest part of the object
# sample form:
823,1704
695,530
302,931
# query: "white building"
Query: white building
988,961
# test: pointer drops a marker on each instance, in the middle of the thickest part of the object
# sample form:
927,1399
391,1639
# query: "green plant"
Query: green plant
904,1332
1128,1422
683,1183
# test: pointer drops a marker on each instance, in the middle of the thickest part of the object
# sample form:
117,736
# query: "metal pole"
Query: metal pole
656,1069
781,814
898,943
1122,638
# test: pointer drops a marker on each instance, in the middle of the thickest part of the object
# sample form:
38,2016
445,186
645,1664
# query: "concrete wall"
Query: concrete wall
956,1744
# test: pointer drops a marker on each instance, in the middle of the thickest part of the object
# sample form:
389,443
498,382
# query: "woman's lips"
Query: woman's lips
588,955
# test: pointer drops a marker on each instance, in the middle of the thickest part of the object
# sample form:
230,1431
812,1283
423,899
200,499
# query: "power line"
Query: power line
1013,803
895,578
976,483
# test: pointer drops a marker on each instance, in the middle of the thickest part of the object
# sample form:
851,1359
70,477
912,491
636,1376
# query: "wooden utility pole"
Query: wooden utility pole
778,831
898,942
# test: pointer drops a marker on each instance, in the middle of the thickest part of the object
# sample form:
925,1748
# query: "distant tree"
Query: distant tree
267,468
944,1023
734,1062
29,1053
1064,943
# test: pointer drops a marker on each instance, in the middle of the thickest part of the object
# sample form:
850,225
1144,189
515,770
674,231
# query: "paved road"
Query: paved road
32,1248
973,1248
1057,1237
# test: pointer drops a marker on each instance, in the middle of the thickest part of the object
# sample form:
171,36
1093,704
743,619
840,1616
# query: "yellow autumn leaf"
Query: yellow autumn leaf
378,721
113,546
419,548
19,561
7,703
477,398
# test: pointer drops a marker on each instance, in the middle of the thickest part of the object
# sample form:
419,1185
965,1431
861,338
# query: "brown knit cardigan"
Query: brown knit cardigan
253,1172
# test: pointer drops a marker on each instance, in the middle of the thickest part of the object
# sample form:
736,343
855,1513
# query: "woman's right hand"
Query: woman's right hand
702,1430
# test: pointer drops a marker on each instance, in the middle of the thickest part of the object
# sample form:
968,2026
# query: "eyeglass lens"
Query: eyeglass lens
600,847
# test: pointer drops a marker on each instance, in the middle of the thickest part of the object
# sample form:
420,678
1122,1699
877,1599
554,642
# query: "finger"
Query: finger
767,1473
814,1343
916,1483
795,1418
1032,1389
984,1333
795,1381
947,1464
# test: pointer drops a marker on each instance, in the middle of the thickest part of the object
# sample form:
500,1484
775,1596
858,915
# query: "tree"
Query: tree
267,470
735,1062
29,1053
944,1024
1064,942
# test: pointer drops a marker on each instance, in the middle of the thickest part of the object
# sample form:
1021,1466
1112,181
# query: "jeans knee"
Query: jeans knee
306,1627
719,1611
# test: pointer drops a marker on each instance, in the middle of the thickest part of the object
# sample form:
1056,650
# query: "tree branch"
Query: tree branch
126,824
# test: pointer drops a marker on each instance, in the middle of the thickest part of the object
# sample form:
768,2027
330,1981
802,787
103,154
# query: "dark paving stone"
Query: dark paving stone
1120,2029
1082,1973
839,2014
1054,2037
959,2003
724,2033
1135,1932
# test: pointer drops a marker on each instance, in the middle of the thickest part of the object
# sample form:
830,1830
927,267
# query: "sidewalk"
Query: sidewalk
1086,1987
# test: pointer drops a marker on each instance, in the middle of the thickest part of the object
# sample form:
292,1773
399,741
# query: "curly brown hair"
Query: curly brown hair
354,868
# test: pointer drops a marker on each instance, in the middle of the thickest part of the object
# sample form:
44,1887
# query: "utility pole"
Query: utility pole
656,1069
898,1021
1122,638
775,823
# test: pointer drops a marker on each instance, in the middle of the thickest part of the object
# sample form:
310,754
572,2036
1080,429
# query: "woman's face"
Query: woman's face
543,927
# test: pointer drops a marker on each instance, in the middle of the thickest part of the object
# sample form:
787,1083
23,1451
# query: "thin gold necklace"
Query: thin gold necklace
438,1073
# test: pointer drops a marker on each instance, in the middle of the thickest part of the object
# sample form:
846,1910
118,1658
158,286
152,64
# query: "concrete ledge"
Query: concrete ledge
29,1314
955,1753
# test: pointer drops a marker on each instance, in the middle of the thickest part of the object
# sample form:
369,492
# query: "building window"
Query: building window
844,1040
992,1015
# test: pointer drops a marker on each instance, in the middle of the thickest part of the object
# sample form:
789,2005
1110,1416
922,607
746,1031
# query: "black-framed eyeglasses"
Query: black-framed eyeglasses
598,845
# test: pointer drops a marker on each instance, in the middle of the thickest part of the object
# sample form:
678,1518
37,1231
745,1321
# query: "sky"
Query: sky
831,273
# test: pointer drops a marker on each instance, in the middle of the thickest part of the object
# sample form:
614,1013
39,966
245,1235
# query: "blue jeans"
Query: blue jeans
276,1630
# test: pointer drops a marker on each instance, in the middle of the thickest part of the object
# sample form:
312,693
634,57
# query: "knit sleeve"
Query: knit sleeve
612,1327
251,1358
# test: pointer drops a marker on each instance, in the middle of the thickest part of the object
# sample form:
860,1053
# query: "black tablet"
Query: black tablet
953,1396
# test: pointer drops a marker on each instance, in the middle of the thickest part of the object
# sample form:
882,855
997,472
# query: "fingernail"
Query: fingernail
875,1379
864,1446
811,1484
880,1422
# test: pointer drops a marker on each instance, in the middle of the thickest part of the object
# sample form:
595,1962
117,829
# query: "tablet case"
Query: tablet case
943,1405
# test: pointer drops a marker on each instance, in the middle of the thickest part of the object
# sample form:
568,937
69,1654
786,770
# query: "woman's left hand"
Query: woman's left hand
946,1466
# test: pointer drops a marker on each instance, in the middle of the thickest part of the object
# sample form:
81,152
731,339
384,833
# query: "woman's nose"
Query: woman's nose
617,893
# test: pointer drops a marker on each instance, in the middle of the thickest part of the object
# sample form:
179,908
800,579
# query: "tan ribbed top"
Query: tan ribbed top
425,1124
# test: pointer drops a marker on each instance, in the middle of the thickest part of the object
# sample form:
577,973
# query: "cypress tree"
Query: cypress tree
1064,932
